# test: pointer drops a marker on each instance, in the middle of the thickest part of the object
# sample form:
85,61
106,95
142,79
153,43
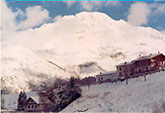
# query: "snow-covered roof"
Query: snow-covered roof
106,73
125,63
140,58
35,98
148,56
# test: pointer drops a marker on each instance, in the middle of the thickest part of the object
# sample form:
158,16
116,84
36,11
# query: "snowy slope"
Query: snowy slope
21,66
137,96
83,44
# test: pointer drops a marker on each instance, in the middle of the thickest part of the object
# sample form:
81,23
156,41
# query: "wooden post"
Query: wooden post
145,78
126,81
89,85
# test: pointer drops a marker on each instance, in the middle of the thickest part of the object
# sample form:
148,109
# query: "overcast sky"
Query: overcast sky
33,14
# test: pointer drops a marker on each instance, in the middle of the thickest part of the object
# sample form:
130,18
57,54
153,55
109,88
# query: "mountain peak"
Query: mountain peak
89,17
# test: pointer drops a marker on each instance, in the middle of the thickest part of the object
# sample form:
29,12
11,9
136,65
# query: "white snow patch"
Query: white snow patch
137,96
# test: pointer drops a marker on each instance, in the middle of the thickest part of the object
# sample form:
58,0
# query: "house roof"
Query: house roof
140,58
147,56
35,99
126,63
106,73
151,56
158,55
34,96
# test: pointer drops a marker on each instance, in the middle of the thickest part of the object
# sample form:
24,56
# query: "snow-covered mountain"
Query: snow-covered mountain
92,37
138,96
83,44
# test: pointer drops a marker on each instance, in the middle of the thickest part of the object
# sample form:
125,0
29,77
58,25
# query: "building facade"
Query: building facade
108,76
158,62
125,70
32,105
141,66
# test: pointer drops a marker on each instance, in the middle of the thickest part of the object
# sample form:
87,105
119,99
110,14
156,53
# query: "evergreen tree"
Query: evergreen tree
21,101
24,98
2,102
73,90
63,93
71,82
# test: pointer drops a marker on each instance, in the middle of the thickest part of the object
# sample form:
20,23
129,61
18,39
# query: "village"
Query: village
142,66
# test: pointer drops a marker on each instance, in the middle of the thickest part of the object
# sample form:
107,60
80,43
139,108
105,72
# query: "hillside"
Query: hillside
137,96
83,44
22,68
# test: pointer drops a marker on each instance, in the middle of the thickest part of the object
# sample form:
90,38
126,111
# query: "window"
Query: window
32,106
163,62
120,68
29,106
101,78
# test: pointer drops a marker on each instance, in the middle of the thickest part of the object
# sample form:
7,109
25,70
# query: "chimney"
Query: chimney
158,52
